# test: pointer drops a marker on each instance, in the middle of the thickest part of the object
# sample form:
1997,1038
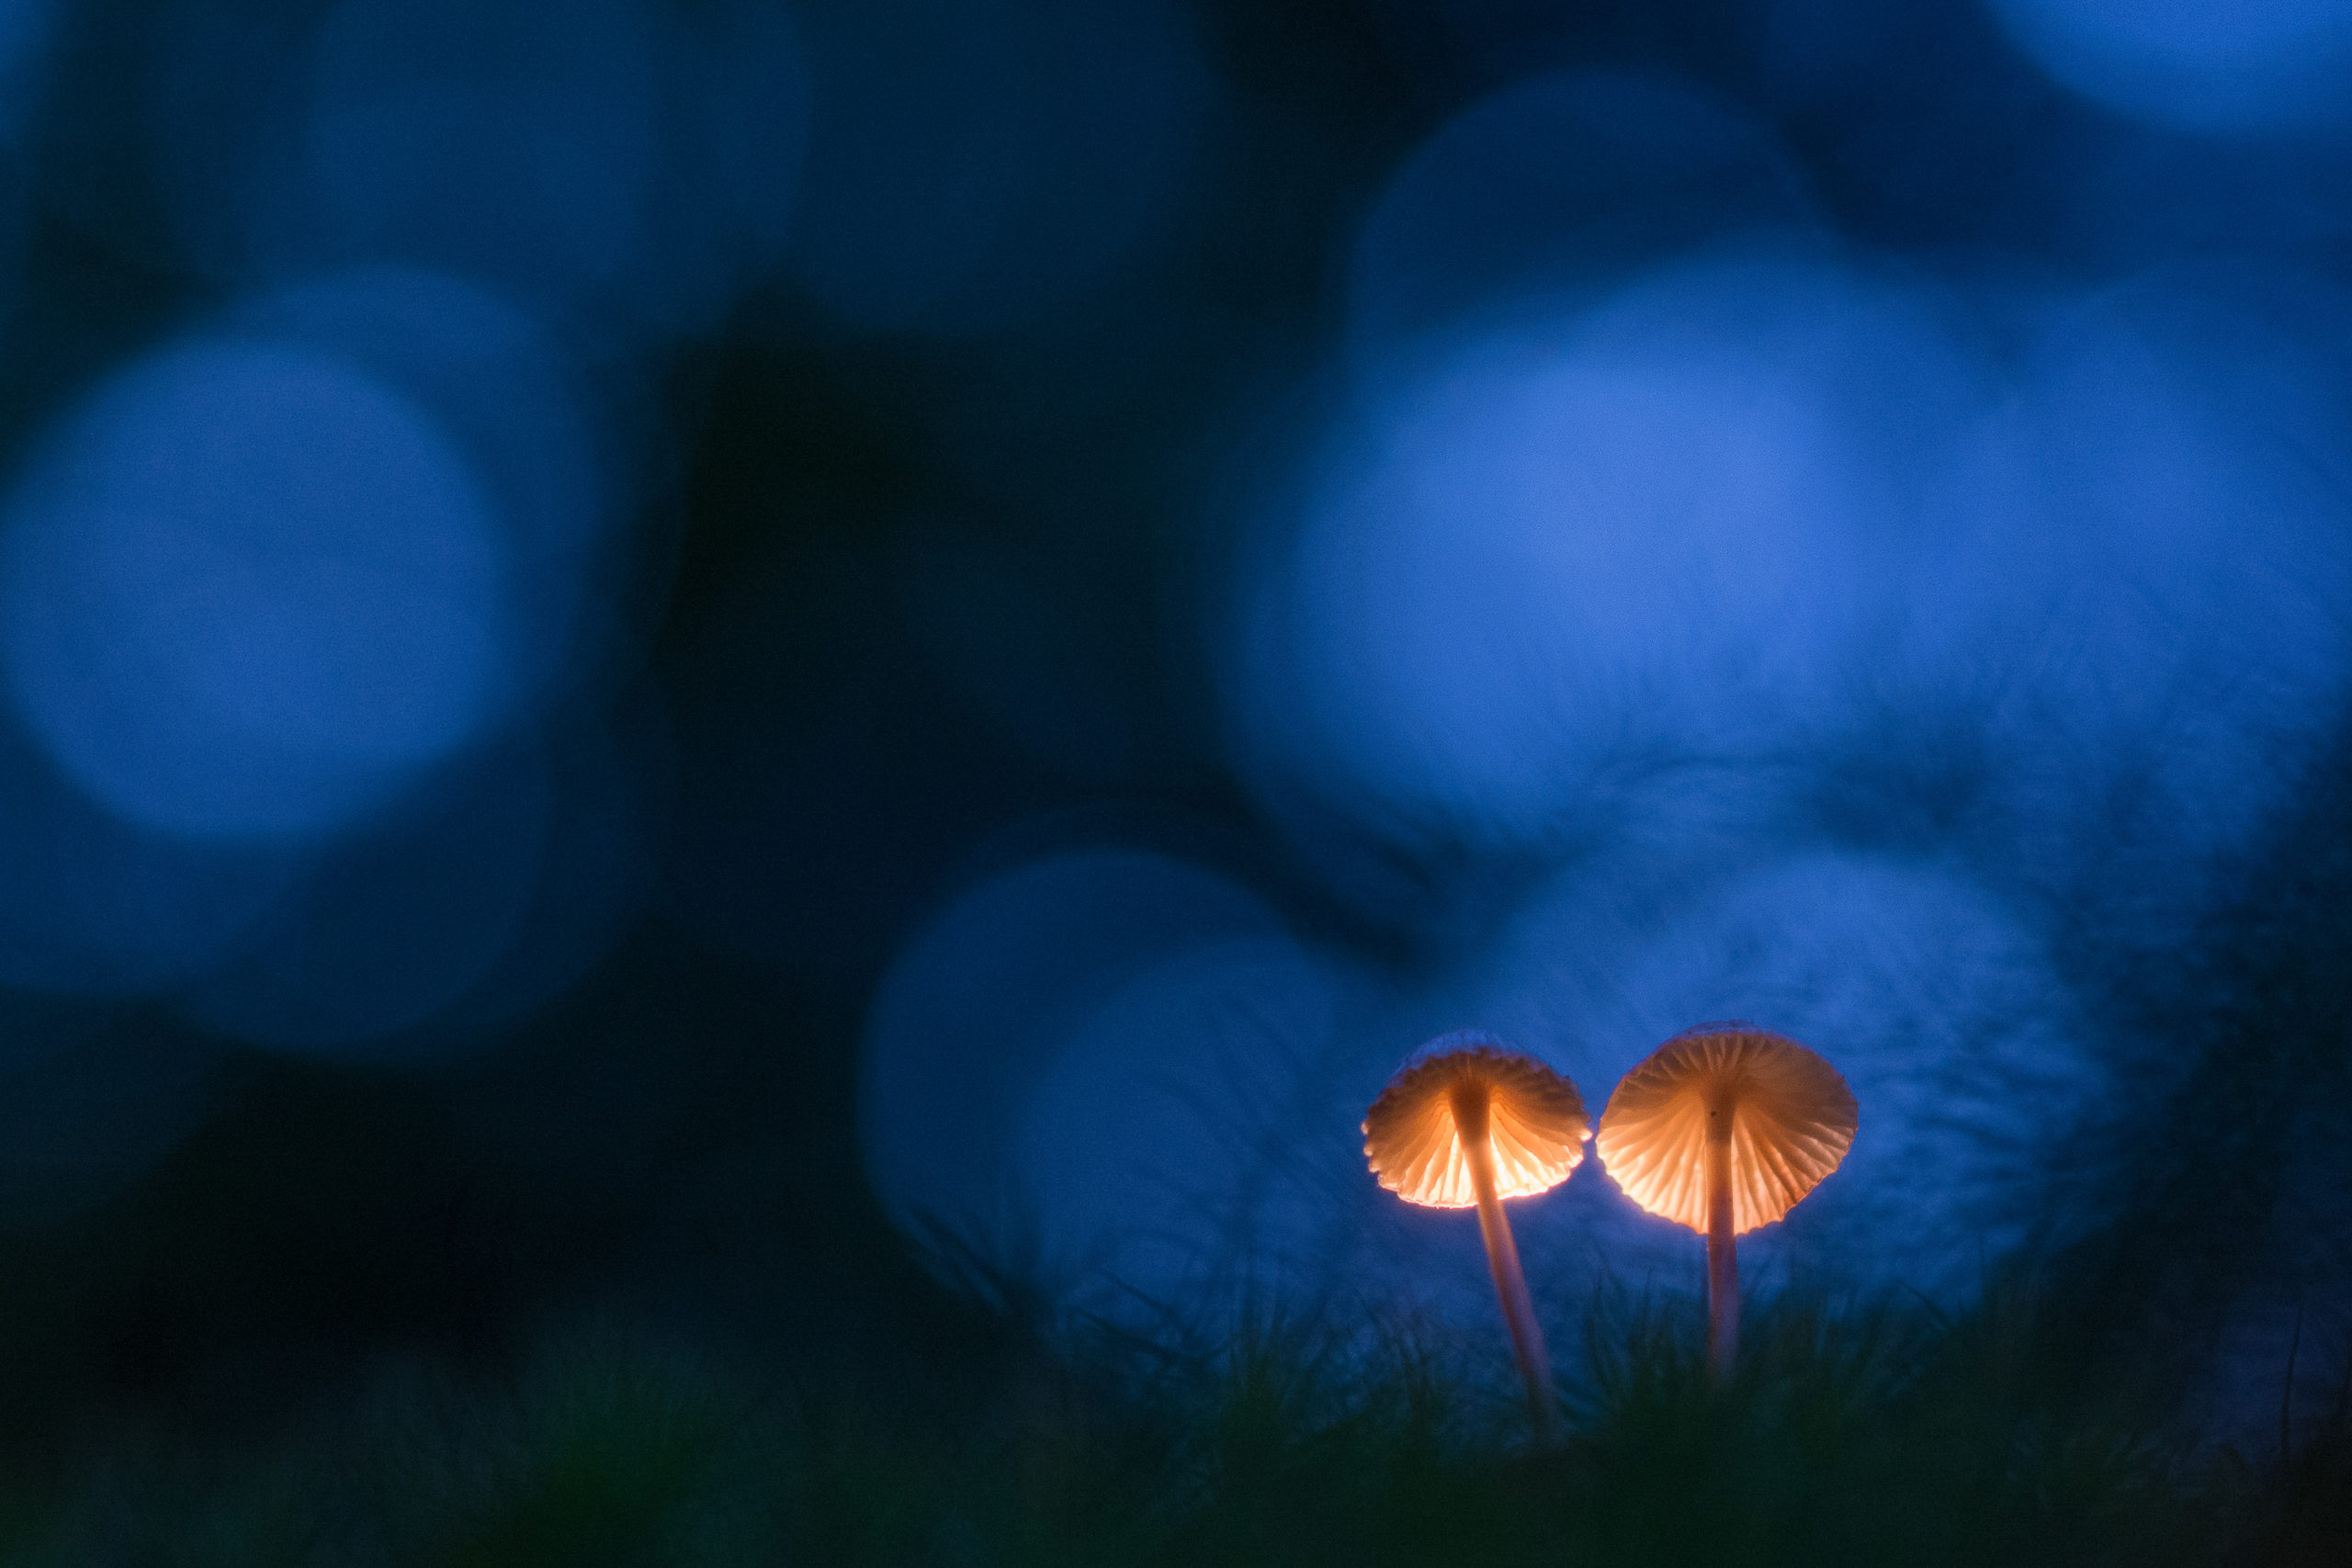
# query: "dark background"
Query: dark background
882,410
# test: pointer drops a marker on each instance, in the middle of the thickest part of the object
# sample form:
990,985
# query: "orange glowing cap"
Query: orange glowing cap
1535,1120
1791,1119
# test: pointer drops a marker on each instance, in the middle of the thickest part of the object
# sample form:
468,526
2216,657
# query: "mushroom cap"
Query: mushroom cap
1536,1123
1792,1121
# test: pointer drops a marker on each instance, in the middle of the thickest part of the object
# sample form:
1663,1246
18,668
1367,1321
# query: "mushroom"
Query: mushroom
1468,1122
1722,1129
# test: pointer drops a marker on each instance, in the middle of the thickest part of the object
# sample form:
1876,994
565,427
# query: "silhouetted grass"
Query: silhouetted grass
1878,1434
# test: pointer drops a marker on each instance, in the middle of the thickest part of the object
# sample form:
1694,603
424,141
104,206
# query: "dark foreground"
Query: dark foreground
1882,1436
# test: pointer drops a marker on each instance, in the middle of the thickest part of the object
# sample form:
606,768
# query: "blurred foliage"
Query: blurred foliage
1857,1435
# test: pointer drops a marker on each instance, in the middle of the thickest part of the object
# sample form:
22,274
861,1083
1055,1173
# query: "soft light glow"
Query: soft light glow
1792,1119
984,1002
2146,588
1561,184
253,591
1570,557
2206,64
1537,1124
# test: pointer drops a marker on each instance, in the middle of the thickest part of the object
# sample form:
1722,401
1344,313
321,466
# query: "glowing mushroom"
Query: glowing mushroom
1467,1121
1722,1129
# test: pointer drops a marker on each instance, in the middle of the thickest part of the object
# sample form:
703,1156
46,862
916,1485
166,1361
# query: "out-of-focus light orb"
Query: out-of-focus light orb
509,141
982,1001
972,163
251,590
1558,184
1980,1093
1657,536
1189,1137
628,166
509,394
2147,587
2214,66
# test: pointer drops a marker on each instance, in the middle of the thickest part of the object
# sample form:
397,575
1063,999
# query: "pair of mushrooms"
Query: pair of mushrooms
1722,1129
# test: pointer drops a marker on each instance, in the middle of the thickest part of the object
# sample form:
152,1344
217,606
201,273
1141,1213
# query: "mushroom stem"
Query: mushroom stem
1471,1119
1722,1263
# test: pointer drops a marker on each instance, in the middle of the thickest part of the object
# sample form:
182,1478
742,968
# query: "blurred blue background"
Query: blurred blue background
663,651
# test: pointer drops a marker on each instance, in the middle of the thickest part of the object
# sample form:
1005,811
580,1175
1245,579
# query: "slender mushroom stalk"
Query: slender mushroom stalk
1724,1129
1723,1254
1473,1113
1467,1121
